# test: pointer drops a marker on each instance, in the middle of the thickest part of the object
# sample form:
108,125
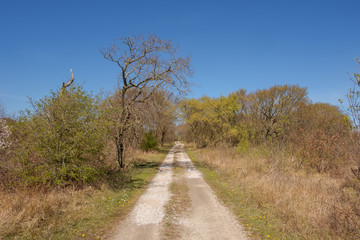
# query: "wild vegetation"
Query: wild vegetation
278,118
274,153
270,152
73,212
68,151
147,64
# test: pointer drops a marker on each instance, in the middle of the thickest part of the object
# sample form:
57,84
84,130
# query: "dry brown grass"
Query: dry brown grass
312,205
25,211
68,213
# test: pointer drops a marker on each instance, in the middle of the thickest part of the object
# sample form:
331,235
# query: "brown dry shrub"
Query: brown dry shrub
319,136
25,210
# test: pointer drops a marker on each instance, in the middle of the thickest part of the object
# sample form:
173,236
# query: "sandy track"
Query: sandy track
144,221
206,218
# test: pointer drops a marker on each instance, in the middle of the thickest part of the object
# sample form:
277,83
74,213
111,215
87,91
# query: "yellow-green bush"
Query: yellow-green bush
61,139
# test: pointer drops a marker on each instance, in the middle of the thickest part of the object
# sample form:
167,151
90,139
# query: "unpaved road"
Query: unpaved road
204,216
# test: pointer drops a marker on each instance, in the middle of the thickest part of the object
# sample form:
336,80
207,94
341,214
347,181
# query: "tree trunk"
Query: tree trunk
120,146
120,154
162,137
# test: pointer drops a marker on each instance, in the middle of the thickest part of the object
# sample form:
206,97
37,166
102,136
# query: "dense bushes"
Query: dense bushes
319,134
66,137
211,120
280,117
61,139
297,158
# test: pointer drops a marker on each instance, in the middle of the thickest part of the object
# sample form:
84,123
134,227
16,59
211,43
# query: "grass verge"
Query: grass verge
70,213
275,201
258,218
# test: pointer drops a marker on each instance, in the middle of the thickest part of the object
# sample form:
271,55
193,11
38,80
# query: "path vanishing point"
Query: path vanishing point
202,217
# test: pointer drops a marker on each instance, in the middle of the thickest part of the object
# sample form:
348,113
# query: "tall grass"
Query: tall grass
86,211
306,203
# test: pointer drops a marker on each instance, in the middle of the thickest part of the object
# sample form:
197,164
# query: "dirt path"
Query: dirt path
144,221
204,217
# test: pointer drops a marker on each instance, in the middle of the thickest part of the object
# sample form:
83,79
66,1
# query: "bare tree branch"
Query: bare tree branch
147,64
65,85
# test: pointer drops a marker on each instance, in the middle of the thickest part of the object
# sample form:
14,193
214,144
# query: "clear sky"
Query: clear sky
252,44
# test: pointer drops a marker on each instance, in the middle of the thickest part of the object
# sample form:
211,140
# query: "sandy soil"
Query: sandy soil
206,218
144,221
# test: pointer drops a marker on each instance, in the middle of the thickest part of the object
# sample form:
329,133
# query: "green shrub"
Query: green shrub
61,139
149,141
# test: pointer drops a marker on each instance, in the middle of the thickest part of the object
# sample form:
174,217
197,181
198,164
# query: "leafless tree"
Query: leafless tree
147,64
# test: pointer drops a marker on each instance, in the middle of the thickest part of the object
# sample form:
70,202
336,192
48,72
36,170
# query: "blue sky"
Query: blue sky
251,44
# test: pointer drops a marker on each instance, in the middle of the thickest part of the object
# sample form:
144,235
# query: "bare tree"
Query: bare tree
353,110
353,99
147,64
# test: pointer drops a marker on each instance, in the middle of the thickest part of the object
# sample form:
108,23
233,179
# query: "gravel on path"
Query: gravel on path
144,221
207,218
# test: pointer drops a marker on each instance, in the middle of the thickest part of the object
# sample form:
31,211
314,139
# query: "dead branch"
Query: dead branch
65,85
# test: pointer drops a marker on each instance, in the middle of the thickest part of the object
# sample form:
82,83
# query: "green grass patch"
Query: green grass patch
257,217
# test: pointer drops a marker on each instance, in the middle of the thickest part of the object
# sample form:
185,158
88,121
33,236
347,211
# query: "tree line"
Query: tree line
67,135
63,138
281,118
